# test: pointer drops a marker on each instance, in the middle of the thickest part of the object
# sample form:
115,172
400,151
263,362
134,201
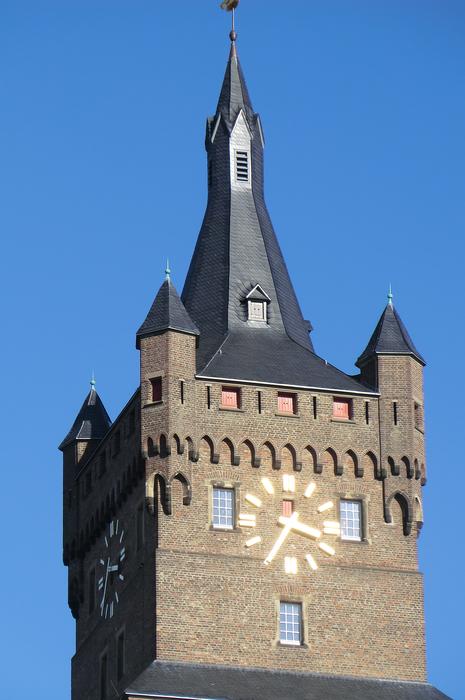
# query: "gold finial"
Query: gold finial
230,6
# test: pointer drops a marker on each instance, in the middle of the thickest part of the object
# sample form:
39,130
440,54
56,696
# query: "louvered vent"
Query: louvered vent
242,166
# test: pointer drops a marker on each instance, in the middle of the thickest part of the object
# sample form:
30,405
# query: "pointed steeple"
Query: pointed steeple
92,422
167,312
390,337
237,248
234,94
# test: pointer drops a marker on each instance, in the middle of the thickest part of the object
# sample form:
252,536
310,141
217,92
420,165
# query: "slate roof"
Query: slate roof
167,312
390,338
265,356
237,249
205,682
91,423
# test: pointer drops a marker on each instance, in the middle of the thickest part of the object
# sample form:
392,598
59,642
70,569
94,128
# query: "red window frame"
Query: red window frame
287,402
342,408
230,397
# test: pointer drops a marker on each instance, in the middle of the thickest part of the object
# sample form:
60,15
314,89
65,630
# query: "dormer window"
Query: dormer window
257,303
242,166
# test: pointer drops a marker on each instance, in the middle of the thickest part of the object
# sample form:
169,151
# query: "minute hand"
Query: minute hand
279,542
299,527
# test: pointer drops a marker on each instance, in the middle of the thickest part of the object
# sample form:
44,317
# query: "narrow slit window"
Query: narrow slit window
315,408
394,412
259,402
209,397
367,412
181,390
242,166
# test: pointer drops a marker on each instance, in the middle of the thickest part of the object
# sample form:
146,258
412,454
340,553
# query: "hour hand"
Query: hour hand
112,568
300,528
280,541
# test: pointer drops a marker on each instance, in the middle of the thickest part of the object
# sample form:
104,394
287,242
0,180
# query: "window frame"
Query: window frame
237,391
287,395
343,400
297,604
156,389
230,488
361,504
244,155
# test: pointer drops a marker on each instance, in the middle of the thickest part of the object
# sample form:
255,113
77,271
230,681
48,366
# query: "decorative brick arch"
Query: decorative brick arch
177,444
310,459
407,467
370,465
268,456
351,462
406,509
207,450
192,451
288,457
186,487
228,452
330,460
393,468
248,453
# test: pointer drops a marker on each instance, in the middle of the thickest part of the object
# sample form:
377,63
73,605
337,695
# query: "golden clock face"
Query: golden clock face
301,517
111,568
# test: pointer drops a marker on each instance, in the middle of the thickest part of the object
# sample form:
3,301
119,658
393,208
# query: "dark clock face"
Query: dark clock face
111,565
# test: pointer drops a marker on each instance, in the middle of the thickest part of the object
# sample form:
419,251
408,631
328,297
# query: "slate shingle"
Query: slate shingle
207,682
91,423
167,313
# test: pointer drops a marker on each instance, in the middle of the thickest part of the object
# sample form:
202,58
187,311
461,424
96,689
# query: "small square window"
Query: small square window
290,623
287,403
230,397
156,389
351,520
223,508
342,408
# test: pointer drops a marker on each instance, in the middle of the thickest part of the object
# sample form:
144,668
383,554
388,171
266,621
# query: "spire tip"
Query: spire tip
167,269
92,381
390,295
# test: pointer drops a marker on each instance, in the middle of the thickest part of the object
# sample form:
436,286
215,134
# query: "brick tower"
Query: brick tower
246,529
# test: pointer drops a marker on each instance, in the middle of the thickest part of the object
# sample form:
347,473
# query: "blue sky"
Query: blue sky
102,176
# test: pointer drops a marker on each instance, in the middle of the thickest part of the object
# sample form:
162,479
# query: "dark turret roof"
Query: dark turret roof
92,422
167,313
389,338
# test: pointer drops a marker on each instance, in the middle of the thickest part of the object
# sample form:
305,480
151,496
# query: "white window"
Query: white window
257,311
223,508
290,623
242,166
351,520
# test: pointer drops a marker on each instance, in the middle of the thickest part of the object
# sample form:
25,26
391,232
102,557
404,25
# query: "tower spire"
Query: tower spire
390,295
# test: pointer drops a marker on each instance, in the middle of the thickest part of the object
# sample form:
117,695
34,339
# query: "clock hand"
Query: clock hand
300,528
280,541
105,586
115,567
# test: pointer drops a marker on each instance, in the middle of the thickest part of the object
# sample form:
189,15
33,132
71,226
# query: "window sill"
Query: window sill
282,414
231,409
153,403
290,645
223,530
344,421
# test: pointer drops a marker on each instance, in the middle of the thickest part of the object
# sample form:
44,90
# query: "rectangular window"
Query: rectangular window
209,397
342,408
140,527
257,311
223,508
91,591
351,520
242,166
259,402
290,623
367,412
288,508
394,412
230,397
103,676
181,391
120,656
156,389
287,403
315,407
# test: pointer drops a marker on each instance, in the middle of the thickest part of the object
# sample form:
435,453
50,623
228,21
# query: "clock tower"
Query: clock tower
247,527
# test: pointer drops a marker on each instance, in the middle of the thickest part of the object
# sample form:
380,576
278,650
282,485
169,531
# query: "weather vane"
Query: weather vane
230,6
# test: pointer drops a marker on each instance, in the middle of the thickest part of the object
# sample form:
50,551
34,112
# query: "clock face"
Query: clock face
299,516
111,565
